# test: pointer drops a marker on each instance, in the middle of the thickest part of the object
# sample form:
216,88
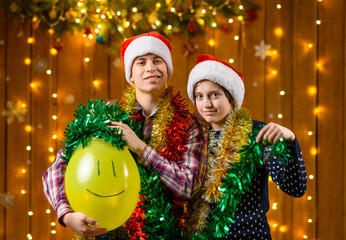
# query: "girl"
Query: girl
233,200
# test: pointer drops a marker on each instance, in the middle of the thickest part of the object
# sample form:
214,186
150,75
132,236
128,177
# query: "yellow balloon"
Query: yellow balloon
103,183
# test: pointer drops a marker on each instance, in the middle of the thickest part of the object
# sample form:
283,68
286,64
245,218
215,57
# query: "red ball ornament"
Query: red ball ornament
58,45
87,30
191,26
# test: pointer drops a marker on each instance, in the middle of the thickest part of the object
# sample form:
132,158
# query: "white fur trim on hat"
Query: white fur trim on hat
142,46
218,73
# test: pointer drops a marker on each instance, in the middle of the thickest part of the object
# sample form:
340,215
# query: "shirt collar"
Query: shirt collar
141,110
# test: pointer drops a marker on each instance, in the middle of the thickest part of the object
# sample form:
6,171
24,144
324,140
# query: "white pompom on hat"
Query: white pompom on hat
140,45
210,68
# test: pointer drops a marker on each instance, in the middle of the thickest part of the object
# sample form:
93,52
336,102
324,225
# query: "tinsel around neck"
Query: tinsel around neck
91,122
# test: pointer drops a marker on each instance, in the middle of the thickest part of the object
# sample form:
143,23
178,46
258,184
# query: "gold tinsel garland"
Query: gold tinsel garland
222,154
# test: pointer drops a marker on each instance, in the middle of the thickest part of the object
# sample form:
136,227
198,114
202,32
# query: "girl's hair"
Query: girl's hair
228,95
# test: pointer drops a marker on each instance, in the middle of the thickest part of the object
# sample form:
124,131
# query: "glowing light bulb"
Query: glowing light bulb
54,117
86,59
23,170
54,95
53,224
30,40
204,11
169,27
282,93
280,115
240,18
23,191
310,45
83,10
49,72
53,232
231,60
214,25
211,43
309,220
230,20
134,9
30,213
305,237
29,236
28,148
51,158
278,32
310,133
54,136
28,128
53,51
312,91
309,198
120,29
236,37
311,176
118,13
313,151
275,206
77,20
278,6
48,211
241,7
158,23
51,149
318,22
51,31
27,61
96,83
172,9
274,72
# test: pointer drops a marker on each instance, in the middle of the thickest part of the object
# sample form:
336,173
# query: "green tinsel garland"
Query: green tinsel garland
92,121
237,182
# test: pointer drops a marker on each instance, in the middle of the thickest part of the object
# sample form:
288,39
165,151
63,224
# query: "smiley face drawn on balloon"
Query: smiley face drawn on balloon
99,173
103,183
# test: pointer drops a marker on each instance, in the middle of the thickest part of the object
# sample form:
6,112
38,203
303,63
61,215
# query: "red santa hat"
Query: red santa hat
210,68
143,44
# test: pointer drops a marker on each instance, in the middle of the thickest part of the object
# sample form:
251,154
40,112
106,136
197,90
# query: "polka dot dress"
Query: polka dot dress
250,216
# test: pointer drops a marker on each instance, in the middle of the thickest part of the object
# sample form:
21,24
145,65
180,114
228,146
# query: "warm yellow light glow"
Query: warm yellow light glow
309,220
231,60
278,32
49,72
200,21
241,7
30,213
97,31
23,170
280,115
23,105
27,61
236,38
53,232
28,128
240,18
28,148
103,16
230,20
134,9
23,191
86,59
310,45
311,176
33,85
77,20
214,25
79,4
275,225
313,151
270,179
51,158
204,11
310,133
283,228
169,27
96,83
98,10
274,72
120,29
51,31
172,9
127,24
158,23
48,211
309,198
305,237
54,95
278,6
312,91
211,43
275,206
273,52
318,22
83,10
90,36
158,5
29,236
118,13
30,40
54,117
52,224
53,51
282,93
317,110
319,0
51,149
55,136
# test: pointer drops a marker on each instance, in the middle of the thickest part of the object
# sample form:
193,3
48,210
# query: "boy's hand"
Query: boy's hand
82,224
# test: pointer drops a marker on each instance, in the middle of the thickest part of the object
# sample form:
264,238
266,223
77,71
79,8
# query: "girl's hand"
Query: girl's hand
135,144
82,224
272,132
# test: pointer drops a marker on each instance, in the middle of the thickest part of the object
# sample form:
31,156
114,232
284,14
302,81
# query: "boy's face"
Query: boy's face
149,73
212,103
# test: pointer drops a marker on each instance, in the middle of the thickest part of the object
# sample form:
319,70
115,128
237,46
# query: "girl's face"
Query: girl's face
212,103
149,73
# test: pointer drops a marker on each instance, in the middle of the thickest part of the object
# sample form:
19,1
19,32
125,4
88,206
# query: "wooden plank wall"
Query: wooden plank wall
308,64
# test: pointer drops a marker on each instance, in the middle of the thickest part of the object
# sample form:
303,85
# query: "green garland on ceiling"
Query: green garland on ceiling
127,18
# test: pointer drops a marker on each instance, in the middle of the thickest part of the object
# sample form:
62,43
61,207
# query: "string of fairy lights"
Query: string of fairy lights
95,83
